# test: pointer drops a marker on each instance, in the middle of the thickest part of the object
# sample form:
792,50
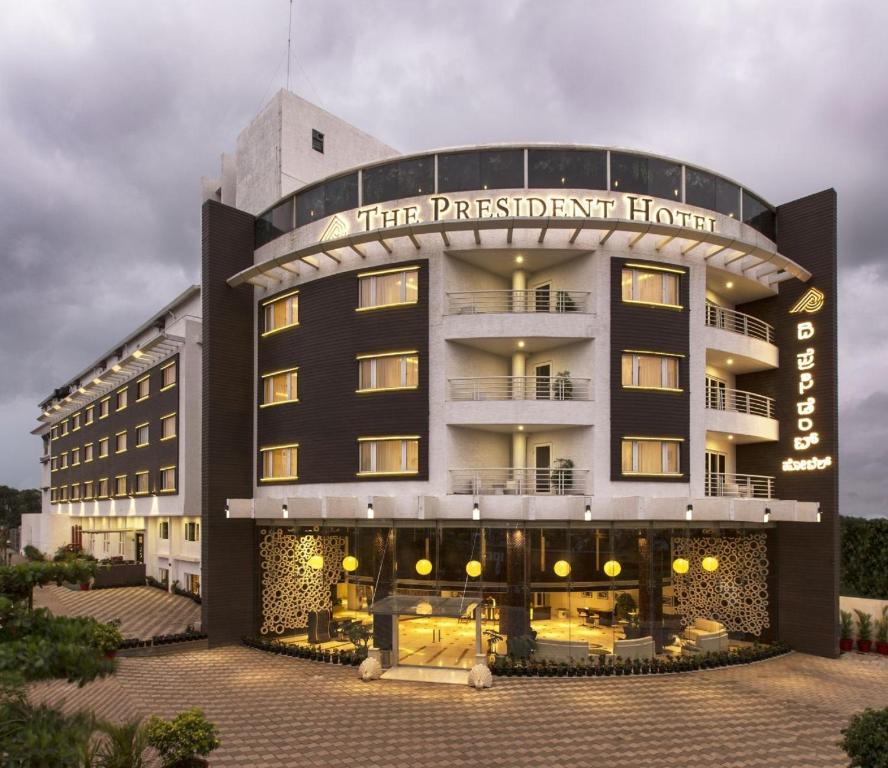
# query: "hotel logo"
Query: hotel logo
335,229
810,303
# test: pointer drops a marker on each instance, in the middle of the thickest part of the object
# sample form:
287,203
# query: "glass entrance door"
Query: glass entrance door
543,379
715,393
542,455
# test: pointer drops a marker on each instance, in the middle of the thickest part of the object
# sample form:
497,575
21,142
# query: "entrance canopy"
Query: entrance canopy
427,605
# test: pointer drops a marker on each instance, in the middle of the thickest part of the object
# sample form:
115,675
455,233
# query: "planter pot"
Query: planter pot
864,646
110,654
84,587
882,648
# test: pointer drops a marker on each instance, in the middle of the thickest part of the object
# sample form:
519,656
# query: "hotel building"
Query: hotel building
121,454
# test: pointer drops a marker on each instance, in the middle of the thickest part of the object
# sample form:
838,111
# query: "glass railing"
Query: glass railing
521,388
738,322
483,302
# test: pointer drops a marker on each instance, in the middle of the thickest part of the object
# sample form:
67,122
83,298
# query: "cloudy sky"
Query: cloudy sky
110,112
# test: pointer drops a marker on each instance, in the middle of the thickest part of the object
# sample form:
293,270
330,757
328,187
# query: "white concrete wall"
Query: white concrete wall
867,605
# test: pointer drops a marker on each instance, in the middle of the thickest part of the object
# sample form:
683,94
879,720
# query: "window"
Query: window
402,178
392,370
75,422
54,464
168,426
120,485
279,462
103,488
142,435
650,456
281,312
75,491
192,531
54,433
103,447
317,141
167,479
106,542
64,427
89,415
280,387
87,453
333,196
388,288
143,388
104,407
276,221
652,285
63,493
75,457
53,495
88,490
63,460
168,376
141,486
650,371
645,175
388,455
758,215
192,583
709,191
163,530
120,442
122,398
163,575
494,169
566,169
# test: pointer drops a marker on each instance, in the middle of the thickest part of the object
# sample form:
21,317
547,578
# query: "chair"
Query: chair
708,636
636,648
319,627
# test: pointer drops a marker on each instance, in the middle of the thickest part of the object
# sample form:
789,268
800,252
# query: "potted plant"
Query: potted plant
846,631
563,386
864,631
493,637
359,636
564,303
865,737
106,638
184,741
562,476
882,632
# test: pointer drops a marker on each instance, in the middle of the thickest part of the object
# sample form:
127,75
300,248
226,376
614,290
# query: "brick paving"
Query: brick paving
280,711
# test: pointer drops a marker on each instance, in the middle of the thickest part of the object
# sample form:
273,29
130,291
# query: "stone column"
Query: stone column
384,562
514,612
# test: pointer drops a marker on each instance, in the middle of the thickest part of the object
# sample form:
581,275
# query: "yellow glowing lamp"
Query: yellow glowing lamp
473,568
680,565
710,563
424,567
612,568
349,563
316,562
561,568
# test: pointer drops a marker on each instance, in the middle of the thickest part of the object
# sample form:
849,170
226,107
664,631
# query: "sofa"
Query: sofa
636,648
561,650
707,636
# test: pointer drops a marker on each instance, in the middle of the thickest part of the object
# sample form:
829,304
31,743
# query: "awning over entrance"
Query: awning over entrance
427,605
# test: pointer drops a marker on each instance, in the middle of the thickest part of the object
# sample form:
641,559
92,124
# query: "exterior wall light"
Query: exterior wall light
424,567
689,512
476,512
562,568
818,514
680,565
766,518
473,568
349,563
612,568
587,515
284,511
316,562
227,510
370,511
710,564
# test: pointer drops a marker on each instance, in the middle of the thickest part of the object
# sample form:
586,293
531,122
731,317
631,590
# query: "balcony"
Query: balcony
739,486
519,481
738,340
740,401
489,302
521,388
738,322
748,416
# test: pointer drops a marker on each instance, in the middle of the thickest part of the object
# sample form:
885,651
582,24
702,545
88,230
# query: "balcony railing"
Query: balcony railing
739,486
738,322
519,482
521,388
483,302
738,400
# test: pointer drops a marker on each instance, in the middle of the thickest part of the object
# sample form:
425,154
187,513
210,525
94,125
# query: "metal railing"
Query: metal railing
483,302
519,481
521,388
739,486
738,322
721,399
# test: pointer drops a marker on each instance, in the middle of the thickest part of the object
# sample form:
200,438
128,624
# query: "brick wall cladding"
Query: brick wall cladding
646,412
805,556
330,416
151,457
227,546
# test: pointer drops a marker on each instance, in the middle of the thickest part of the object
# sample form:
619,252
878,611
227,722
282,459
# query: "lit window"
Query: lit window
54,464
103,488
280,387
143,388
75,457
53,495
63,460
651,457
88,490
192,531
388,455
651,287
279,462
168,426
163,530
192,582
64,427
120,485
63,493
396,370
54,433
103,447
122,398
89,415
141,484
142,435
87,453
388,288
650,371
75,422
167,479
120,442
168,376
75,491
104,407
281,312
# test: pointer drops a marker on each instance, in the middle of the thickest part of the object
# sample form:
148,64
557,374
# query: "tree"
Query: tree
15,503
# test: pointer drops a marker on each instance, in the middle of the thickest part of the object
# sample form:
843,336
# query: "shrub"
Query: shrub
864,546
180,740
33,554
846,628
864,625
866,739
106,638
122,746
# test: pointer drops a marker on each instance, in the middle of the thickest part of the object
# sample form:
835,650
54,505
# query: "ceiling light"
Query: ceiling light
520,345
117,367
729,284
519,259
730,437
520,427
730,361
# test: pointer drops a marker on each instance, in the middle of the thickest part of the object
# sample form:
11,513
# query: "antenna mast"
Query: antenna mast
289,30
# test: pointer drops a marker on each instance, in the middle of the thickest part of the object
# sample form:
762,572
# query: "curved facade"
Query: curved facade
536,377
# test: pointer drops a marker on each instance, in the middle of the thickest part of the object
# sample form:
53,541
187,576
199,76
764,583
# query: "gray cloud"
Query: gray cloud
110,113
